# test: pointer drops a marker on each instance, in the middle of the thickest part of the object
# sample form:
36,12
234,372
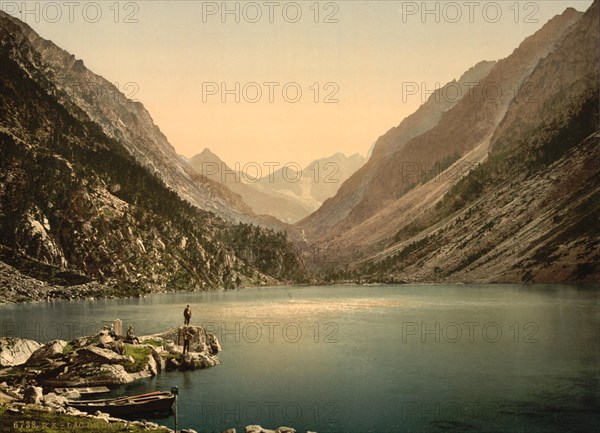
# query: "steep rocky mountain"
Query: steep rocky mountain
272,203
81,215
121,119
289,193
314,183
525,210
430,113
462,131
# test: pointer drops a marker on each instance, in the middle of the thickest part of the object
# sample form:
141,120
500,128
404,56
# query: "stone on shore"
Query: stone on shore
201,341
91,375
102,356
33,395
102,416
16,351
71,395
48,350
86,364
152,367
259,429
53,400
14,393
72,411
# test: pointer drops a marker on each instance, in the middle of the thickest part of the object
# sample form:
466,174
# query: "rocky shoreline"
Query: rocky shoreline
101,360
31,375
20,288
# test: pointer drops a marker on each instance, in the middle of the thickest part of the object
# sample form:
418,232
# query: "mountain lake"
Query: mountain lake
358,359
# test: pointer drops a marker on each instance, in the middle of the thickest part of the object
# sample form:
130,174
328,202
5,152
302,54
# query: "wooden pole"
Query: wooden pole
175,390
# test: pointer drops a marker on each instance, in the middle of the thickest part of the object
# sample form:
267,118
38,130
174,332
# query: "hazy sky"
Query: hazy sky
181,58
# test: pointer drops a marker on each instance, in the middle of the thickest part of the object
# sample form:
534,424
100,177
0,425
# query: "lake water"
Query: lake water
358,359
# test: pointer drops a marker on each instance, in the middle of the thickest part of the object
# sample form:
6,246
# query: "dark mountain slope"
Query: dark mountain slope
76,206
120,118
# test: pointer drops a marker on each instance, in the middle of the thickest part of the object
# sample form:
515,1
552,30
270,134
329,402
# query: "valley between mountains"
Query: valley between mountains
483,187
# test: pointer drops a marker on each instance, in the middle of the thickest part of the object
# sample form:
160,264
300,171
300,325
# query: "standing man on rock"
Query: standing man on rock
187,338
187,315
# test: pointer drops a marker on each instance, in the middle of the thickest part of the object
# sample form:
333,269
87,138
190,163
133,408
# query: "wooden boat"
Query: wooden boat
157,401
89,390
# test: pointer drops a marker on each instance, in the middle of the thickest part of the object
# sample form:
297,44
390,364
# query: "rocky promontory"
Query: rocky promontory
32,375
103,359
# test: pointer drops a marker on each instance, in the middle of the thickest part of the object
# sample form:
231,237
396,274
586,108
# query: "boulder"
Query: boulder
91,375
253,429
286,430
213,344
102,356
71,395
51,399
229,430
48,350
33,395
5,397
202,341
16,351
102,416
14,393
72,411
80,342
172,364
104,339
159,360
152,367
170,346
187,363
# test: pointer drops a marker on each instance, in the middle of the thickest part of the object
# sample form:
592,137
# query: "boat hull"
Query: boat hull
127,406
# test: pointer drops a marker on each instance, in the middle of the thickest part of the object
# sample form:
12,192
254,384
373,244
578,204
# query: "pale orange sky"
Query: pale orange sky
177,48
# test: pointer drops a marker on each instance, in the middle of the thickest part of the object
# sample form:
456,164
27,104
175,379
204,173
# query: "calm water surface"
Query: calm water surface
358,359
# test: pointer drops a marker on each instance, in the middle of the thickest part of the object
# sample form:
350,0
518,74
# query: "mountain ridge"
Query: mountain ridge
282,194
525,211
466,126
124,120
81,216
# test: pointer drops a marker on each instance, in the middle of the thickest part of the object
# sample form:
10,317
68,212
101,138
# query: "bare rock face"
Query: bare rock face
16,351
48,350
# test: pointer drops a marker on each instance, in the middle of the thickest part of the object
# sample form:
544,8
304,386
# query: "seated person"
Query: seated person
131,338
